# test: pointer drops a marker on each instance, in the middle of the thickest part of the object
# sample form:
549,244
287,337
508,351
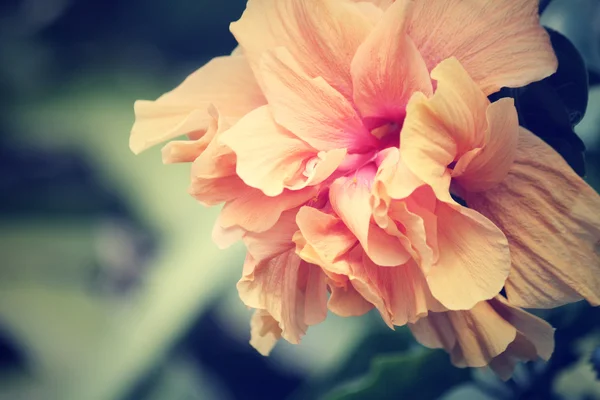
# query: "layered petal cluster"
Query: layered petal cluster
337,137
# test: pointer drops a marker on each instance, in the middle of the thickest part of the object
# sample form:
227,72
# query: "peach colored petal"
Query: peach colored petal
551,218
394,180
326,234
350,200
420,225
489,166
473,338
414,212
264,332
345,301
382,4
322,35
253,211
272,159
310,107
179,151
281,286
278,239
439,130
387,69
474,260
225,82
226,237
493,333
401,293
536,330
500,43
213,178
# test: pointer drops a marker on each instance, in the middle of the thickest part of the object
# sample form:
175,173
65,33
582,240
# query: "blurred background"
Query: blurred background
110,285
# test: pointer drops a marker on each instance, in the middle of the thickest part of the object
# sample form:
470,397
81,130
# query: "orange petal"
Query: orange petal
536,330
213,176
345,301
473,338
552,220
400,293
322,35
474,260
388,68
493,333
264,245
290,290
500,43
383,4
179,151
272,159
350,201
253,211
439,130
489,166
420,225
326,234
310,107
225,82
264,332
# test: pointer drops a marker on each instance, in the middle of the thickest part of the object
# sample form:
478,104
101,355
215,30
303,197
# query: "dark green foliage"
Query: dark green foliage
553,106
419,374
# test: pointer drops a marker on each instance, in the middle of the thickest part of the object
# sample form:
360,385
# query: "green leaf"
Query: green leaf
423,374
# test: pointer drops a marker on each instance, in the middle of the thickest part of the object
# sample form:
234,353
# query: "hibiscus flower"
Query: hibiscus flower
338,135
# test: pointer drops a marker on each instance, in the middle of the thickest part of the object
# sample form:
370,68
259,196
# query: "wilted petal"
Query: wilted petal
500,43
551,218
225,82
493,333
473,338
388,68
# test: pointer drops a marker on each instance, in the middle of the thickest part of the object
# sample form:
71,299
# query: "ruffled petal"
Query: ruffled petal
400,293
474,260
265,245
350,199
473,338
264,332
311,108
494,333
500,43
255,212
387,69
180,151
536,330
322,35
272,159
439,130
225,82
490,163
293,292
346,301
552,220
326,235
